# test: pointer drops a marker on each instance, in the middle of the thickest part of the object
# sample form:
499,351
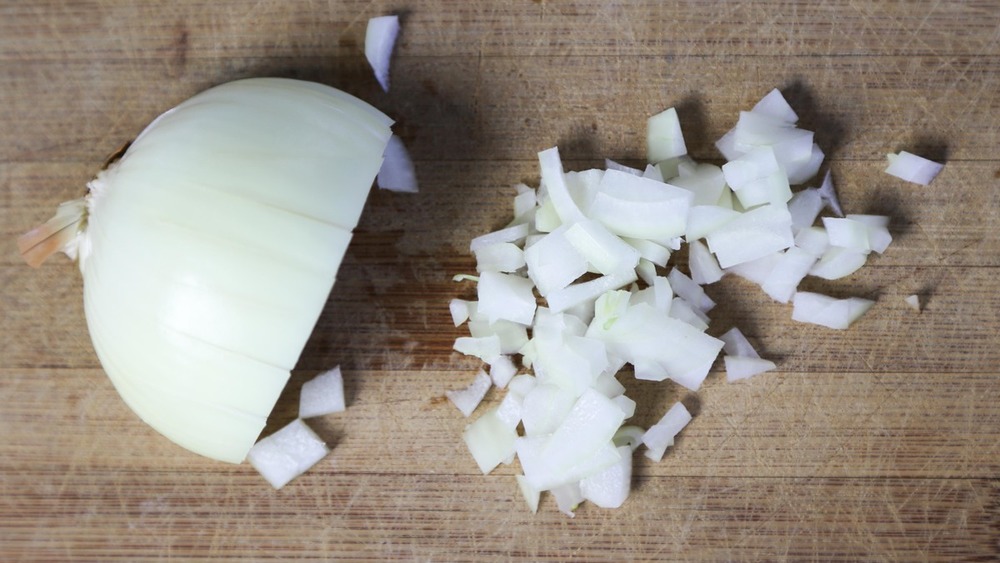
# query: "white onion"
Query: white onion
506,297
913,301
828,311
490,440
502,370
466,400
661,435
664,139
322,395
208,251
738,367
287,453
609,488
774,105
913,168
736,344
397,173
380,38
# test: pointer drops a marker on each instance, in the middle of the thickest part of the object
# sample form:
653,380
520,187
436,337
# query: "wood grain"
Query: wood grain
878,443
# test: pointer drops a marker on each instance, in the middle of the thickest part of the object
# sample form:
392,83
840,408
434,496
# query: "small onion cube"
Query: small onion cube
775,106
913,301
752,235
641,208
513,233
612,165
690,291
704,267
847,233
522,384
466,400
791,267
802,172
553,263
813,240
610,487
838,262
707,183
705,219
459,309
322,395
506,296
756,178
490,440
738,367
829,195
502,370
681,310
756,271
568,497
486,348
544,408
878,230
827,311
499,257
287,453
600,248
913,168
555,185
397,173
664,138
512,335
509,410
380,38
531,495
727,146
651,251
736,344
661,435
575,294
804,208
625,404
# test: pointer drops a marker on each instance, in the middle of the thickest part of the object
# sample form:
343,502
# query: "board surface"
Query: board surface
876,443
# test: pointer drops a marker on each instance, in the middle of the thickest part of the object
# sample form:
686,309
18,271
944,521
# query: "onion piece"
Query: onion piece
555,186
380,38
610,487
828,311
490,440
829,195
397,173
604,251
322,395
502,370
775,106
661,435
913,168
612,165
630,436
914,302
287,453
752,235
738,367
757,178
838,263
789,270
531,495
506,296
486,348
513,233
459,309
736,344
568,498
499,257
664,139
466,400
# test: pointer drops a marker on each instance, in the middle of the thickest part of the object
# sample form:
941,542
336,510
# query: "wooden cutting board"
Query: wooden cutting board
876,443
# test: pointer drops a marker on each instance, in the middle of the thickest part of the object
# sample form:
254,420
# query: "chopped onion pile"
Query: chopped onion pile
595,246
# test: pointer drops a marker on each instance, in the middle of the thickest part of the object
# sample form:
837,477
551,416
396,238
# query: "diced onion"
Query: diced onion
828,311
466,400
287,453
913,168
380,38
397,173
322,395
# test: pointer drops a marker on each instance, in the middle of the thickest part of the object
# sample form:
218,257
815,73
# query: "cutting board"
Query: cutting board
875,443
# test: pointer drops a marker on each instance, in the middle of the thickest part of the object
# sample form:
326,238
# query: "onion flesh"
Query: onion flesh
322,395
287,453
913,168
380,38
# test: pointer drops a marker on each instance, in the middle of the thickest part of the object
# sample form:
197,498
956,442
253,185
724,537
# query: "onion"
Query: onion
466,400
322,395
397,173
914,302
380,38
287,453
913,168
209,249
587,238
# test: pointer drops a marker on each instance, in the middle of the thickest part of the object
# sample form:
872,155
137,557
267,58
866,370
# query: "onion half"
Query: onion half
209,249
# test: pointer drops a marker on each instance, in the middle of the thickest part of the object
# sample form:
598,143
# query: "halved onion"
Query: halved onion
209,249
